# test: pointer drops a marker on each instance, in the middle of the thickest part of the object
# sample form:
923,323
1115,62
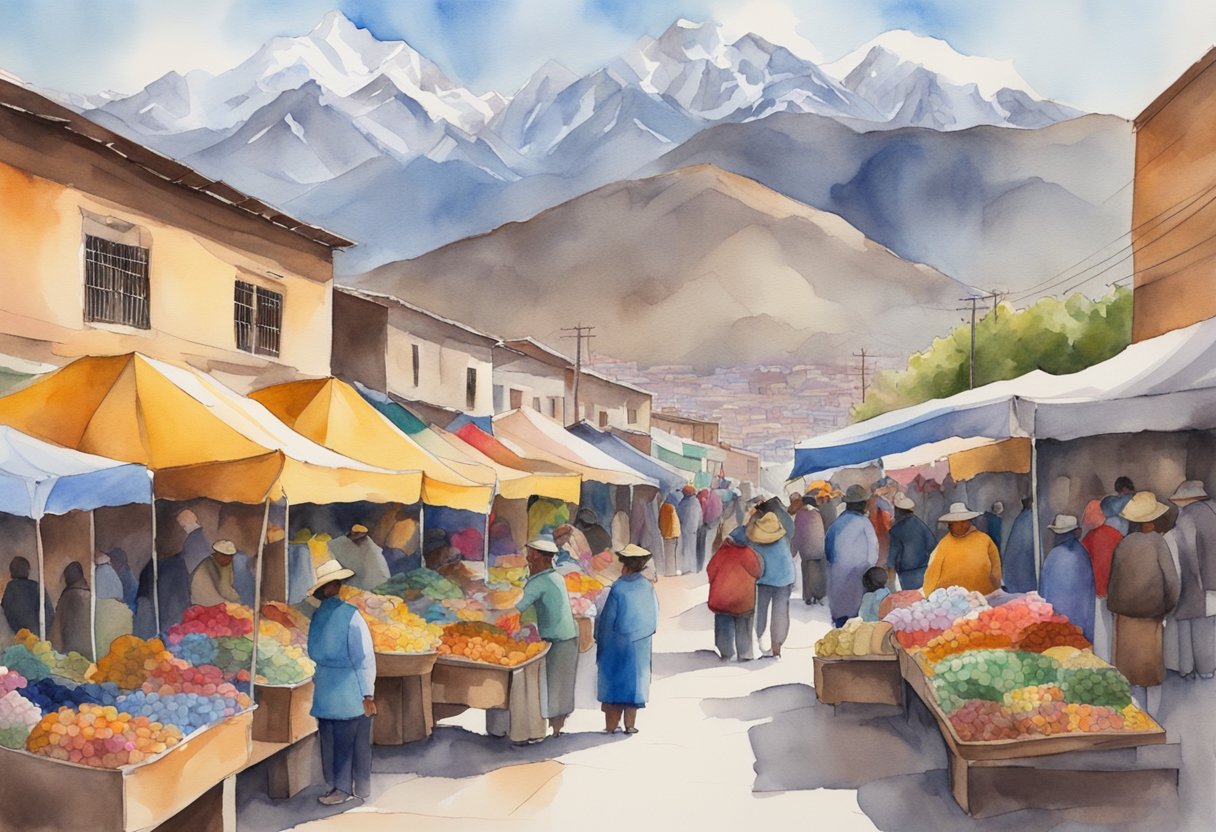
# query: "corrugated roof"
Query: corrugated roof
28,103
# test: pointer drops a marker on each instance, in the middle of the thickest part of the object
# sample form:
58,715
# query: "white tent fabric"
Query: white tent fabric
38,478
1164,383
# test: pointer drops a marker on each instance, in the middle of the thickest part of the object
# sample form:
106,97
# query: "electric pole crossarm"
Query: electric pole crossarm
580,333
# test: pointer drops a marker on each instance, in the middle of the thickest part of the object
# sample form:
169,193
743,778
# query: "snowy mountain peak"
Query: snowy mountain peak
692,41
937,56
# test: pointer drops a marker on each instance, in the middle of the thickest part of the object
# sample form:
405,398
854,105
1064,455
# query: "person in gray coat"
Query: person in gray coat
691,520
1194,536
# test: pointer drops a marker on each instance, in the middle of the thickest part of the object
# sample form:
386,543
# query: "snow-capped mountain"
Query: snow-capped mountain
917,81
342,128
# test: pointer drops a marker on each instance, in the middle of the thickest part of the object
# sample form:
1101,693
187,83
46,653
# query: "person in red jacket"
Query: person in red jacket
733,571
1101,543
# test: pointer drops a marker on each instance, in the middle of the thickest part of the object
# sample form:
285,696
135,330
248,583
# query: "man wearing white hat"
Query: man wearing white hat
546,592
344,687
851,547
1067,582
360,554
965,557
214,581
1143,589
911,544
1194,537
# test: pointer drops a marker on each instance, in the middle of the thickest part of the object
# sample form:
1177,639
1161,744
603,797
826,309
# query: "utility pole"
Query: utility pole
862,355
973,300
580,333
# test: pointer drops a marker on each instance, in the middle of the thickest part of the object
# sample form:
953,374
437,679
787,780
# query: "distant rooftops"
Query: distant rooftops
22,100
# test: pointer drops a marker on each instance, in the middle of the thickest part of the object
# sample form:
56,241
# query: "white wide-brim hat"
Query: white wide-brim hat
958,512
329,572
543,544
633,551
904,501
1063,523
1143,507
1189,490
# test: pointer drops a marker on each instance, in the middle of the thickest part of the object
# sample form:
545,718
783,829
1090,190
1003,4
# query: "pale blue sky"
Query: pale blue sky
1103,55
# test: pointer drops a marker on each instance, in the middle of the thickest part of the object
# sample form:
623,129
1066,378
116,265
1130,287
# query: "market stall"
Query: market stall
1029,715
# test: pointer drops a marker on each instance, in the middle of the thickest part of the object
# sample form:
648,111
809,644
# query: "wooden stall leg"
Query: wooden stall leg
215,811
959,781
291,770
388,728
416,708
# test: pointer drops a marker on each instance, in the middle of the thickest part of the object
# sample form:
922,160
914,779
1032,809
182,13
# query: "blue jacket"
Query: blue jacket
1017,561
1068,583
778,562
623,632
341,645
911,543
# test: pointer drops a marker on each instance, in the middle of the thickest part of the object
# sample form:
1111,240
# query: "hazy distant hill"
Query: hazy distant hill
697,266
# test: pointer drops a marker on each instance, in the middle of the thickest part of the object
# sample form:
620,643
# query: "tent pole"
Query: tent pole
257,595
93,582
1034,507
155,571
485,540
286,551
422,530
42,596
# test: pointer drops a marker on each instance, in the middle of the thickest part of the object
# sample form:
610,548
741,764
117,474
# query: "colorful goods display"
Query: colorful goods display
186,711
919,623
426,581
856,638
18,716
100,736
394,628
28,651
282,652
486,643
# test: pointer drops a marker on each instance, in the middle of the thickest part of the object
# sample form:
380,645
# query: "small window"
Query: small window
517,399
115,282
470,388
633,415
258,317
553,406
603,418
416,364
536,404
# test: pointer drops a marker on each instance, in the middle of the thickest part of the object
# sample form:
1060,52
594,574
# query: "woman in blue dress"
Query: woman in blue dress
623,632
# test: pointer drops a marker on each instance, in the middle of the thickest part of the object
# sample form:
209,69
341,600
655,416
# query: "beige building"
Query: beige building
698,430
529,374
1173,214
107,247
437,364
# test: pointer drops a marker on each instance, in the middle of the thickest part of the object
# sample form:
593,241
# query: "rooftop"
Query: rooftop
378,297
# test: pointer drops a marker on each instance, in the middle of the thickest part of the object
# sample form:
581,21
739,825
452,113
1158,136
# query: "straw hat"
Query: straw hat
1143,508
1064,523
358,528
302,536
689,489
543,543
856,494
1189,490
903,501
633,551
765,528
958,513
329,572
274,534
224,547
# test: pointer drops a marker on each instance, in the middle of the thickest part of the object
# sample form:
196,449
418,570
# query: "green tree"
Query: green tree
1054,335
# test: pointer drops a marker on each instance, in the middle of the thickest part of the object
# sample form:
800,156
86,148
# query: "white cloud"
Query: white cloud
773,20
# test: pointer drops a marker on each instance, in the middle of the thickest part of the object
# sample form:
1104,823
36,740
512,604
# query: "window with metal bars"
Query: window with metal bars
258,319
115,283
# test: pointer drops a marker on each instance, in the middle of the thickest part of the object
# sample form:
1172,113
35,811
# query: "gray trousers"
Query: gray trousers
778,598
1196,644
733,635
346,754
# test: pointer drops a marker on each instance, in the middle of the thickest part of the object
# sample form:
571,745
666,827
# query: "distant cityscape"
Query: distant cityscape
766,409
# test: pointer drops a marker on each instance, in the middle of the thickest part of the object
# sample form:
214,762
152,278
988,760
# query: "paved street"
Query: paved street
722,745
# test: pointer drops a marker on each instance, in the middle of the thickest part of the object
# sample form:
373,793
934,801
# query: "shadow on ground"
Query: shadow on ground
673,664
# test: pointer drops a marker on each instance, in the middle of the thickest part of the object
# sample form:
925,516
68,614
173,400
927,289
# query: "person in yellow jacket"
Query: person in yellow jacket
966,557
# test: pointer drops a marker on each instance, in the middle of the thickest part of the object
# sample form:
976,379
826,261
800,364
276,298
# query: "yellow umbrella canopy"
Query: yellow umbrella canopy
199,438
332,413
514,483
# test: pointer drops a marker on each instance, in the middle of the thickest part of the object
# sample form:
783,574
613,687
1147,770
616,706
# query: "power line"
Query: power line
581,333
973,300
862,355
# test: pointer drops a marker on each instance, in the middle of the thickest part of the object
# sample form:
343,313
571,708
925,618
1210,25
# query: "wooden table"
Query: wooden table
189,786
871,680
403,697
510,696
1117,768
282,715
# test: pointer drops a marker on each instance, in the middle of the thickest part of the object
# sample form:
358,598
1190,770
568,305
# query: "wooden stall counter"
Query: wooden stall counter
282,715
510,696
403,697
39,793
873,680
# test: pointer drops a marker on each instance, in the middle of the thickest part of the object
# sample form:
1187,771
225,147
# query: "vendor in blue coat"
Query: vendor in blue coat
1067,582
344,687
623,632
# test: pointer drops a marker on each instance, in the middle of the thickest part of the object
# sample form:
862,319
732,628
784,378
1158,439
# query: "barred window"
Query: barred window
115,282
633,415
258,319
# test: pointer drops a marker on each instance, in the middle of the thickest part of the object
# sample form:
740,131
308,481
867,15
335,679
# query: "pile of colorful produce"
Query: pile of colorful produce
100,736
514,575
136,664
1095,686
221,635
185,711
72,666
394,628
18,659
989,674
982,720
282,655
486,643
17,717
898,600
216,621
1027,619
427,581
919,623
10,680
130,661
582,605
1074,657
289,618
857,638
1044,635
49,696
